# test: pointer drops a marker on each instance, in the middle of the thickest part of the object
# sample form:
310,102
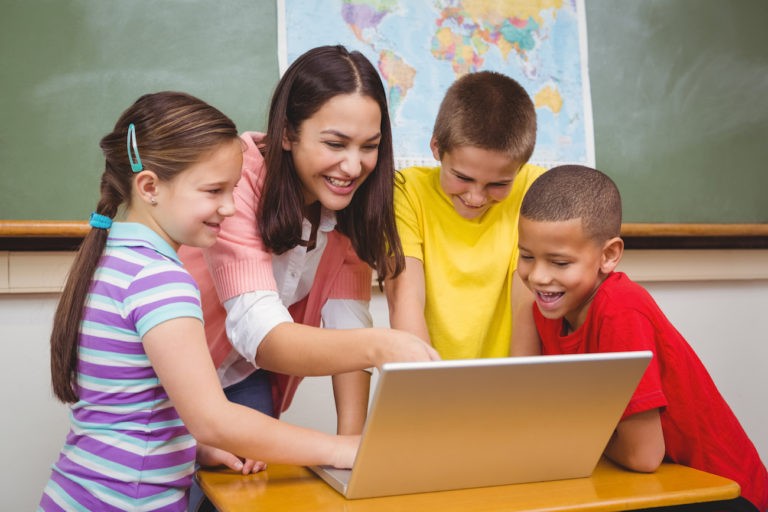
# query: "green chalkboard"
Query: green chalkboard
680,103
68,68
679,94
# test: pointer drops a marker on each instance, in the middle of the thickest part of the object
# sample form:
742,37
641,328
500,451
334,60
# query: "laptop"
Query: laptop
443,425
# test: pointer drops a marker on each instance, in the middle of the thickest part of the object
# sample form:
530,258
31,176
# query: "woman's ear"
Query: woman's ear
146,183
613,249
286,140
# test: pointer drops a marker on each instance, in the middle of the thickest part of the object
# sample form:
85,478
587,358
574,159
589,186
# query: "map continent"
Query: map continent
420,48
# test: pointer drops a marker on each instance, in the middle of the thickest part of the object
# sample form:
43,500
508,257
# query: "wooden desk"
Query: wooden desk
295,488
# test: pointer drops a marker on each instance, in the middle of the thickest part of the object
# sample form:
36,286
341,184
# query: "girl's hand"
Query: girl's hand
345,451
210,457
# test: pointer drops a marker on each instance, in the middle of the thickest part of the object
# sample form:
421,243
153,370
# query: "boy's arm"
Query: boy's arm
350,389
406,298
525,338
350,392
638,442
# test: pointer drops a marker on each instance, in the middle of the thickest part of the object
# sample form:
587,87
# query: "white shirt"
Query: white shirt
252,315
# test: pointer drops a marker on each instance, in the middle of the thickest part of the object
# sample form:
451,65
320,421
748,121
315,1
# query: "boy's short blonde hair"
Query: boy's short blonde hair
487,110
572,192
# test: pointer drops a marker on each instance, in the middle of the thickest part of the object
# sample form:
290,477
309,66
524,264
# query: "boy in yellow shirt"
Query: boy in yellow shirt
458,223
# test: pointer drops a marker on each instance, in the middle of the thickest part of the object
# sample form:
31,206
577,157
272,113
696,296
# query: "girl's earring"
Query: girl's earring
153,201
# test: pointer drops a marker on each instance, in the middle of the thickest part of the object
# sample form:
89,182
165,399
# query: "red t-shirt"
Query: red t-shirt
700,430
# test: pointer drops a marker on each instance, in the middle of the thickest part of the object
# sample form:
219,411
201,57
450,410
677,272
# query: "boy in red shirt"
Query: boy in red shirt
569,228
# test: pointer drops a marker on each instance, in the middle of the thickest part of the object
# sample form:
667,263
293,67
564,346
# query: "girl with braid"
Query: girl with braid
128,348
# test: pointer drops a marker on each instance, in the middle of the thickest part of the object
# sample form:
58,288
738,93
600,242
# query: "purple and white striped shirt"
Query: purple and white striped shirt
127,448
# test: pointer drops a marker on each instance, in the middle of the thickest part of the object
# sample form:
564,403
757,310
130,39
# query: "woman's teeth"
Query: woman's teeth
337,182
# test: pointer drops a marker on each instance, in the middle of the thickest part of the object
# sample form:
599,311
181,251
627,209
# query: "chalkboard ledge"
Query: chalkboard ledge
694,236
55,235
41,235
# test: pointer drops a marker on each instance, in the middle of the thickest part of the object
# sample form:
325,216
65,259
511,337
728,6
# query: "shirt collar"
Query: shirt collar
134,234
327,219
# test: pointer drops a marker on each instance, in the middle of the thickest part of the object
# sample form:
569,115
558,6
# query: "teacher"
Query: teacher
314,217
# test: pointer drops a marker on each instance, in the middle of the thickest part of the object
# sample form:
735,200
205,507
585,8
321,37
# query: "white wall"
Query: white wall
715,298
34,425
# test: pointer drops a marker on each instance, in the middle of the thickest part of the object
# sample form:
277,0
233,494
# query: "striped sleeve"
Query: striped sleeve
161,291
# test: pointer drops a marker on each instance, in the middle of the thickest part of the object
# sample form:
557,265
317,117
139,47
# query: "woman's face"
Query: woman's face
336,149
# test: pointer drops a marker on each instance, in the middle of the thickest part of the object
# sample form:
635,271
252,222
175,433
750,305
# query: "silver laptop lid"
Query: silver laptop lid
472,423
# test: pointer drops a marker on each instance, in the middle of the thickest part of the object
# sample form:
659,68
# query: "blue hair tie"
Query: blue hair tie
100,221
131,143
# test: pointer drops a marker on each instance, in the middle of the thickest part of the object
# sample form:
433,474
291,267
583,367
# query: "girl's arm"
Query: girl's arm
406,297
638,442
525,338
179,355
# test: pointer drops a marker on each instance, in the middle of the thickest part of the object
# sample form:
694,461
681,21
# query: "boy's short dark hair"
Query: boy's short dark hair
487,110
574,191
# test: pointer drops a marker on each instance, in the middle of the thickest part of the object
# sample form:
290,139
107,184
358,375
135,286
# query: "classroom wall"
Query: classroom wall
715,298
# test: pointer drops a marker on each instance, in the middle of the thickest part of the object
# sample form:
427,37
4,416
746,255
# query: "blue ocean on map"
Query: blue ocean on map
420,48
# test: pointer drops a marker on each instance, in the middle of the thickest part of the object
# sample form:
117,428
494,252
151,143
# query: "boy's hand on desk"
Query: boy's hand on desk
211,457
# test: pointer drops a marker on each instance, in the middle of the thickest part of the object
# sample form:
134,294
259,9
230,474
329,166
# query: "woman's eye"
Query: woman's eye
334,145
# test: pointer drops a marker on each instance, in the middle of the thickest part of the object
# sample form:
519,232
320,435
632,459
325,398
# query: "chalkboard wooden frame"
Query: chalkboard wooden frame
67,235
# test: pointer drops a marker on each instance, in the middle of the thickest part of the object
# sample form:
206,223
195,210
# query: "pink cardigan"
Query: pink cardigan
239,263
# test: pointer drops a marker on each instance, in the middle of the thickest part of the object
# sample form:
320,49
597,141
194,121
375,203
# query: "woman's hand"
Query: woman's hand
393,345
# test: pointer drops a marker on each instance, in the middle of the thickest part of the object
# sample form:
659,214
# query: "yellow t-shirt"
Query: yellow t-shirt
468,264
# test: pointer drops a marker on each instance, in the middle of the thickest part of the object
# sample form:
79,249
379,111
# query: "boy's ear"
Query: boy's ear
146,183
434,148
613,249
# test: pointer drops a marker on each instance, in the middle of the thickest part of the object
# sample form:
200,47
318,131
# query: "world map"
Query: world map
420,47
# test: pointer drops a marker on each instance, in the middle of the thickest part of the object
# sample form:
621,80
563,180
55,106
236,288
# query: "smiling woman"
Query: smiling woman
314,216
336,150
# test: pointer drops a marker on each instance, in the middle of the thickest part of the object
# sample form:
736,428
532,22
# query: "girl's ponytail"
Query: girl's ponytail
69,313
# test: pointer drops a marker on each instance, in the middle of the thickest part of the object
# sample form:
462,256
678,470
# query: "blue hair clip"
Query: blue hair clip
131,142
100,221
